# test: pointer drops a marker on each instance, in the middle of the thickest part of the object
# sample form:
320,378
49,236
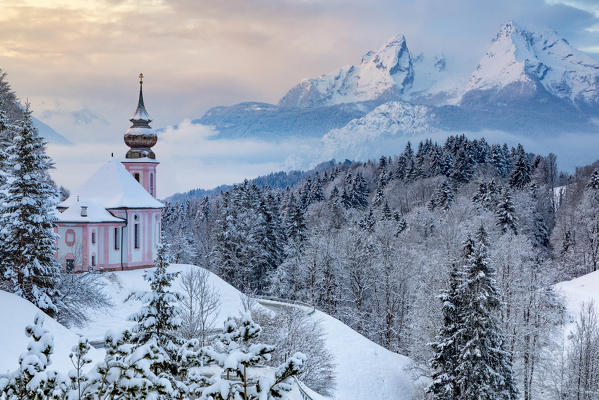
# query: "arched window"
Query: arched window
136,176
152,184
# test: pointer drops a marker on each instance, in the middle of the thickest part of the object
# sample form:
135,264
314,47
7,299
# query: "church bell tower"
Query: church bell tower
140,160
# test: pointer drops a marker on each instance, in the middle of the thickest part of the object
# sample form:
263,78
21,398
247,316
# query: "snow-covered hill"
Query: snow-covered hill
583,289
15,314
523,64
364,369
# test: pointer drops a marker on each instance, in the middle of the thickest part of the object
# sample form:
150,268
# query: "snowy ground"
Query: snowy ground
365,370
15,314
578,291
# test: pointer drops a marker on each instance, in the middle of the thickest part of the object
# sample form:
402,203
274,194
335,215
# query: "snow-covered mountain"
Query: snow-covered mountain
529,82
526,65
386,72
390,73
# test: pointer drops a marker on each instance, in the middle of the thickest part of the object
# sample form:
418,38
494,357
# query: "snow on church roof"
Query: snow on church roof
95,212
113,186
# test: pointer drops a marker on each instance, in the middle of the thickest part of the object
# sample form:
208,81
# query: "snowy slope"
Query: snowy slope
523,62
389,69
578,291
365,370
119,286
369,136
381,374
15,314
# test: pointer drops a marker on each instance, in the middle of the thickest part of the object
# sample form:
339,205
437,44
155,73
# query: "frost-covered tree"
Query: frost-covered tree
32,380
27,238
200,304
521,173
505,213
233,355
445,347
158,321
483,366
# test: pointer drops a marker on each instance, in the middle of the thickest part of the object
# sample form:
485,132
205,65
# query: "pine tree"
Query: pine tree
521,174
483,370
593,182
506,213
234,353
27,238
445,348
443,197
158,320
32,380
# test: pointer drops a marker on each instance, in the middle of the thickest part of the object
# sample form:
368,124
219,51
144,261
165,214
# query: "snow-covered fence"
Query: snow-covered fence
300,386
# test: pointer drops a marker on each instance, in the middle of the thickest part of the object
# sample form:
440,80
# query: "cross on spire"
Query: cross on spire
141,79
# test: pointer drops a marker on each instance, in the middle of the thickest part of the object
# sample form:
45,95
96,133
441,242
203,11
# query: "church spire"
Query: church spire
141,116
140,137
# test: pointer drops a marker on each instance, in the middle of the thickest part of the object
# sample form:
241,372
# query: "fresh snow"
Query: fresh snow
389,68
95,212
114,187
16,313
522,56
380,372
119,286
364,369
583,289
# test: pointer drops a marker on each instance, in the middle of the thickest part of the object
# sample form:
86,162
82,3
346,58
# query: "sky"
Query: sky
77,62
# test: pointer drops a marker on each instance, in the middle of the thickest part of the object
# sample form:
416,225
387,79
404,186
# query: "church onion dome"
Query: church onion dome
140,137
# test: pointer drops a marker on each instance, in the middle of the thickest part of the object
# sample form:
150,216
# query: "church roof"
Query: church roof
94,212
113,186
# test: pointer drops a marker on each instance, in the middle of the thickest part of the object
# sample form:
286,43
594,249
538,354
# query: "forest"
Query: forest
377,245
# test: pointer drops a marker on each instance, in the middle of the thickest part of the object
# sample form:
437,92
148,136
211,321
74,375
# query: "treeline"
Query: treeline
373,243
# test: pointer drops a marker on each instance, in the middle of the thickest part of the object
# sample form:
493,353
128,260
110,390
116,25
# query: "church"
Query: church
112,222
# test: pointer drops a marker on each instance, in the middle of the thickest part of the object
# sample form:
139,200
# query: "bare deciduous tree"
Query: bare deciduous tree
200,304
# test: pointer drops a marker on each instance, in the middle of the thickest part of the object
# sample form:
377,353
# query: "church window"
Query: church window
152,184
116,239
137,176
93,261
136,235
93,237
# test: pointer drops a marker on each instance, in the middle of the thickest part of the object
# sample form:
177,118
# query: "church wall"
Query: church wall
147,174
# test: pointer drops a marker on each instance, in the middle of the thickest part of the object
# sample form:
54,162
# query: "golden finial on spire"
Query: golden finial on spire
141,79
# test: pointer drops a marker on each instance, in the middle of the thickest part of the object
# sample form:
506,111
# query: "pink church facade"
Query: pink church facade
112,222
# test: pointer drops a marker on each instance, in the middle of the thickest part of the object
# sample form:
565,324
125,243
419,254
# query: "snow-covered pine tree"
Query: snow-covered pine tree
506,213
483,370
445,348
27,238
234,353
521,174
32,380
443,196
158,320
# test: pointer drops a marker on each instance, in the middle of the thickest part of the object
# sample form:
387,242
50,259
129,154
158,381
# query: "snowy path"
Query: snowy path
364,369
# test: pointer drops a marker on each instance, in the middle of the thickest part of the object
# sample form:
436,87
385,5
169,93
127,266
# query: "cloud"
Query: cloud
189,158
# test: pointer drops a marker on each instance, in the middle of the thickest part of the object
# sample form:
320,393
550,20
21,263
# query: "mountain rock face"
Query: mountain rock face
529,82
526,66
387,72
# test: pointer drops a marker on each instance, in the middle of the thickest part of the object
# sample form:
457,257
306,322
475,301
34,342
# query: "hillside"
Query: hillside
16,313
380,371
583,289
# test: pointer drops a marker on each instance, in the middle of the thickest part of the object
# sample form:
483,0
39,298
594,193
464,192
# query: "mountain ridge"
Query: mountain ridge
528,82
